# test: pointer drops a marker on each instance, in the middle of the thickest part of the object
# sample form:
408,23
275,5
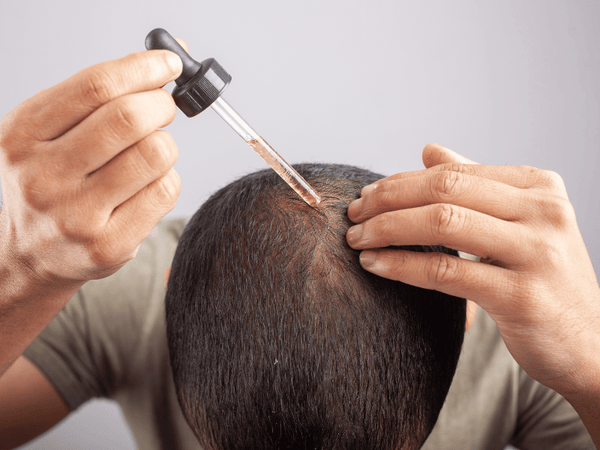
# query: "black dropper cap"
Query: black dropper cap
199,84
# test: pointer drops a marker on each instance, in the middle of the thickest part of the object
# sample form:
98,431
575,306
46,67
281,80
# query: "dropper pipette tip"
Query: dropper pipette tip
285,171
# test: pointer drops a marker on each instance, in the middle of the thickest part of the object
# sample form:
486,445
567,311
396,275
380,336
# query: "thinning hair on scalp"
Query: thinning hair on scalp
278,339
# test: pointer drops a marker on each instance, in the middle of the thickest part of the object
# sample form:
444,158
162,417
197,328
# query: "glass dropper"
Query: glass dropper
272,158
200,85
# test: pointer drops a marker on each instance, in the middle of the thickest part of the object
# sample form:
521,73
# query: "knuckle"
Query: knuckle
529,173
446,219
123,121
15,140
74,229
458,168
524,168
544,178
383,226
381,197
565,212
80,225
106,252
169,188
154,155
448,185
553,180
397,264
556,210
443,269
465,169
7,127
108,248
37,191
98,86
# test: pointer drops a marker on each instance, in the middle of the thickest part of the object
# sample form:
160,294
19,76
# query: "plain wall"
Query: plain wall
366,83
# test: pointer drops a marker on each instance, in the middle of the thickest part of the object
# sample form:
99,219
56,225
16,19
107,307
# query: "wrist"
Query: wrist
28,302
24,262
587,406
583,386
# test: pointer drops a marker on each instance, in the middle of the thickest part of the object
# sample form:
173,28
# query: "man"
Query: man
95,140
242,352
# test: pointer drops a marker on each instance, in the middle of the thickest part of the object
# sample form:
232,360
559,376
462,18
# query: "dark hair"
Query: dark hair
279,339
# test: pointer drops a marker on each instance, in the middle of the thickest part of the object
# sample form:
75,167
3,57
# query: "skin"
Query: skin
535,278
86,174
29,404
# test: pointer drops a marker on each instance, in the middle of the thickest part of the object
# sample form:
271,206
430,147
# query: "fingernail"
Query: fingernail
368,259
354,209
354,234
367,189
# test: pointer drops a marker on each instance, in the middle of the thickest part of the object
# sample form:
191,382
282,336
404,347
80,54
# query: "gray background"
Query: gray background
366,83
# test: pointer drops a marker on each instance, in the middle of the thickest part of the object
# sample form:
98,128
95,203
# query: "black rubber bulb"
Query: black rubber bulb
161,39
199,84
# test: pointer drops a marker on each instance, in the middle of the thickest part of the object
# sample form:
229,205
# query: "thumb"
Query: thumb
434,154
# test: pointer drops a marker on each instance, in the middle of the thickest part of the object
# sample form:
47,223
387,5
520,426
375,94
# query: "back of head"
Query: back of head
278,338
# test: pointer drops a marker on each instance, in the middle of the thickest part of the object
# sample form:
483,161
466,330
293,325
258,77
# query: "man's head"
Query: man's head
278,339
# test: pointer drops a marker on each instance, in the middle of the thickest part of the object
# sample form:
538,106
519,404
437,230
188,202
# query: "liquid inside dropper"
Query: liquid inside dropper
285,171
272,158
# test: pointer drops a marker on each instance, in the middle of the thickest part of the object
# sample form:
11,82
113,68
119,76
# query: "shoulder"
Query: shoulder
121,308
481,408
101,338
141,279
492,402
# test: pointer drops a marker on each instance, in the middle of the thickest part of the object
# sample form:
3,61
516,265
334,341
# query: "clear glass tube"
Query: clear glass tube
273,159
234,120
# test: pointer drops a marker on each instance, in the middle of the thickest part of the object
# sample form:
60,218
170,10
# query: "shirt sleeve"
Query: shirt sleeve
546,420
492,402
89,349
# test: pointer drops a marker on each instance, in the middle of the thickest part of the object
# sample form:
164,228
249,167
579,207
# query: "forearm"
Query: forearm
27,303
586,401
589,412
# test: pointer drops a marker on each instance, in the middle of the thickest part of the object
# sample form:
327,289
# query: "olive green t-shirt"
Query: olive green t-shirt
110,341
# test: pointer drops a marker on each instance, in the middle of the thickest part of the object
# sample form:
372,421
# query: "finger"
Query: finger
57,109
521,177
518,176
477,193
435,154
441,224
111,129
183,44
132,170
527,177
133,220
482,283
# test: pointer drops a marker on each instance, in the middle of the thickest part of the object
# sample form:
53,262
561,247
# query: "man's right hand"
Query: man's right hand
86,174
